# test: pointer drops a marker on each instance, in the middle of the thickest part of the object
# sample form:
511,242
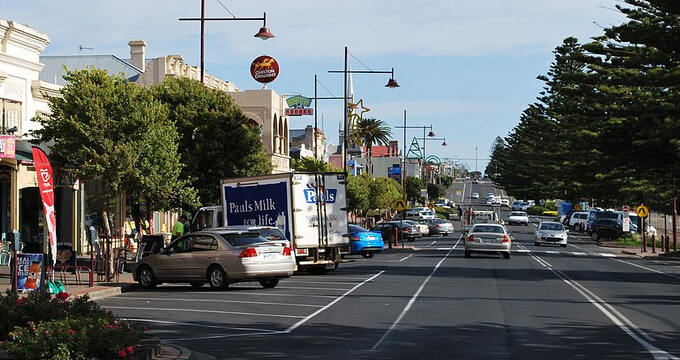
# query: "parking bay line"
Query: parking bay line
204,311
220,301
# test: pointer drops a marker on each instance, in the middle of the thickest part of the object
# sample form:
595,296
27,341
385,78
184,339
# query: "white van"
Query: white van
578,220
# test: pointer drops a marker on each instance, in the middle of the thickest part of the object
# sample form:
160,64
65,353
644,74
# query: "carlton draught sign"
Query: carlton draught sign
264,69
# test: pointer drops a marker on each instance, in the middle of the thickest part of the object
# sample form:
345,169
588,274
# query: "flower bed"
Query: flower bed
40,326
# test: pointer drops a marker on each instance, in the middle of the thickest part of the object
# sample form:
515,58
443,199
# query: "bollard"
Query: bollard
653,244
396,236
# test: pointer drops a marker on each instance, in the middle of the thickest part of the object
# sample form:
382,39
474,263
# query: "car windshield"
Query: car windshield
487,229
517,213
552,226
272,234
243,239
356,228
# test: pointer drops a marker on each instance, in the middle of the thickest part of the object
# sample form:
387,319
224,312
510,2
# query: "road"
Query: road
579,302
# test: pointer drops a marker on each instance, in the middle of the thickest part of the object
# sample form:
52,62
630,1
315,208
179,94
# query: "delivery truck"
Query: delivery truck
310,208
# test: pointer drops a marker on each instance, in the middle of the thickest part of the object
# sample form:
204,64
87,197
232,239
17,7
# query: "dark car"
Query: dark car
405,230
605,229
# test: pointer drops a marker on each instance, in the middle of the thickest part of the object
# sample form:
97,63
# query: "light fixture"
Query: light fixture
391,83
264,32
444,143
431,134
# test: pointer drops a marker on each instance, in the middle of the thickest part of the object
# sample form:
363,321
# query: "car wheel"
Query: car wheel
269,284
317,270
217,278
367,255
563,245
196,284
595,236
537,243
146,277
467,254
506,255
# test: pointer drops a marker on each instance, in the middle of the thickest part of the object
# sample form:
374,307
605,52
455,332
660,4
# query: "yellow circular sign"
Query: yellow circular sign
642,211
577,207
400,205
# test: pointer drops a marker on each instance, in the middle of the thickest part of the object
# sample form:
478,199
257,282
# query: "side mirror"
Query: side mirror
164,250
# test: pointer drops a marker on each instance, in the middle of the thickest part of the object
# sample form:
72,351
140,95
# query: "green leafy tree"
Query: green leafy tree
312,164
107,130
358,193
216,140
373,131
383,193
413,186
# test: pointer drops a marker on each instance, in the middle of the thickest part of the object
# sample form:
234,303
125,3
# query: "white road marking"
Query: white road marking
614,315
309,288
164,322
524,250
309,317
406,257
413,299
219,301
607,255
202,311
552,252
580,253
432,243
646,268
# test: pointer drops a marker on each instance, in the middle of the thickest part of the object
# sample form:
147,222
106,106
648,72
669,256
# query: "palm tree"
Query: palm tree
373,131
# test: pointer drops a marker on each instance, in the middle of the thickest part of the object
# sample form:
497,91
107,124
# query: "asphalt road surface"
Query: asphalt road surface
579,302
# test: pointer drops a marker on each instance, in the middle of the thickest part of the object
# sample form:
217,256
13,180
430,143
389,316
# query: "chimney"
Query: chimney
137,53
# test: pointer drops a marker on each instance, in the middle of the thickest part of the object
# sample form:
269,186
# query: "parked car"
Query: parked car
519,218
578,220
488,238
439,226
605,228
422,227
444,203
219,257
364,242
520,205
405,230
475,195
550,232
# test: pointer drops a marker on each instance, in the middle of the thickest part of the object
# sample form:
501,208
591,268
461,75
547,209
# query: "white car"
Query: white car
518,217
551,232
475,196
488,238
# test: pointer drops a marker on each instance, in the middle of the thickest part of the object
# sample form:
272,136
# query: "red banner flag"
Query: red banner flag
44,172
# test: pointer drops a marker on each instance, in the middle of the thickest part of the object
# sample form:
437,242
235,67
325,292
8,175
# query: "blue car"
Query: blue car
364,242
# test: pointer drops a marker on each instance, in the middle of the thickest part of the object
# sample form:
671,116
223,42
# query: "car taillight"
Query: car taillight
355,238
286,250
437,226
471,238
506,238
248,252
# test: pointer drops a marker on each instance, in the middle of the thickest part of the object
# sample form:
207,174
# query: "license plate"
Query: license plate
270,256
488,240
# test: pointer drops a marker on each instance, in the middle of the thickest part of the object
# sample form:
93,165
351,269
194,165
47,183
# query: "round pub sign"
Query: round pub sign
264,69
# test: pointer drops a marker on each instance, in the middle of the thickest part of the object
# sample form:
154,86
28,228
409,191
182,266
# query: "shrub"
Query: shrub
40,326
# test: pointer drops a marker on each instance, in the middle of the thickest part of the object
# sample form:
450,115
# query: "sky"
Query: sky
466,68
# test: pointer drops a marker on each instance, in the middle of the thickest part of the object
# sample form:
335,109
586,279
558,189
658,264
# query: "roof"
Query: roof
54,72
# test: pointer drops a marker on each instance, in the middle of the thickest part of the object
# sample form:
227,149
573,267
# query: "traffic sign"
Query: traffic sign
431,205
400,205
642,211
577,207
626,224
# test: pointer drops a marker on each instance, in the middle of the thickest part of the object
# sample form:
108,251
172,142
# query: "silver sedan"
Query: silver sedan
218,257
488,238
551,232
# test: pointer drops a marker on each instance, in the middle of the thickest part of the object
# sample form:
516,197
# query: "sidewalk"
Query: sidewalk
101,290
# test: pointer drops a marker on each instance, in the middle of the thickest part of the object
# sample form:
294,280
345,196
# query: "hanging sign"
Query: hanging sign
264,69
298,105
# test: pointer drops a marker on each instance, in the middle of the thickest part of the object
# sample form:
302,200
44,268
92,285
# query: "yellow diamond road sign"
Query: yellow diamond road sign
642,211
400,205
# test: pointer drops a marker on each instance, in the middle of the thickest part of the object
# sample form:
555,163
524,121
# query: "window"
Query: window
180,245
204,243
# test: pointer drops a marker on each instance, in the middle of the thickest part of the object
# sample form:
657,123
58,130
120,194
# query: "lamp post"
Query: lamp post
263,34
391,83
430,134
316,109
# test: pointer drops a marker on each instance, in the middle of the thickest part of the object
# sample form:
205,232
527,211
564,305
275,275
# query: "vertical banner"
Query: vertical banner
29,267
46,185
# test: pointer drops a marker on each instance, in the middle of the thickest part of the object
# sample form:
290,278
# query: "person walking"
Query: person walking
179,228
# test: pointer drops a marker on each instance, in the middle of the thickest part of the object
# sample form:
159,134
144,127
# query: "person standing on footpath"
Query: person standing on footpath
179,227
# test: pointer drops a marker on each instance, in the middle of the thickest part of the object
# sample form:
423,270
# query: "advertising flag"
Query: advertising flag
46,185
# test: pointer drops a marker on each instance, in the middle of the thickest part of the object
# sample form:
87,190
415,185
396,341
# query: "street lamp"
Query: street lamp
391,83
263,34
430,134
